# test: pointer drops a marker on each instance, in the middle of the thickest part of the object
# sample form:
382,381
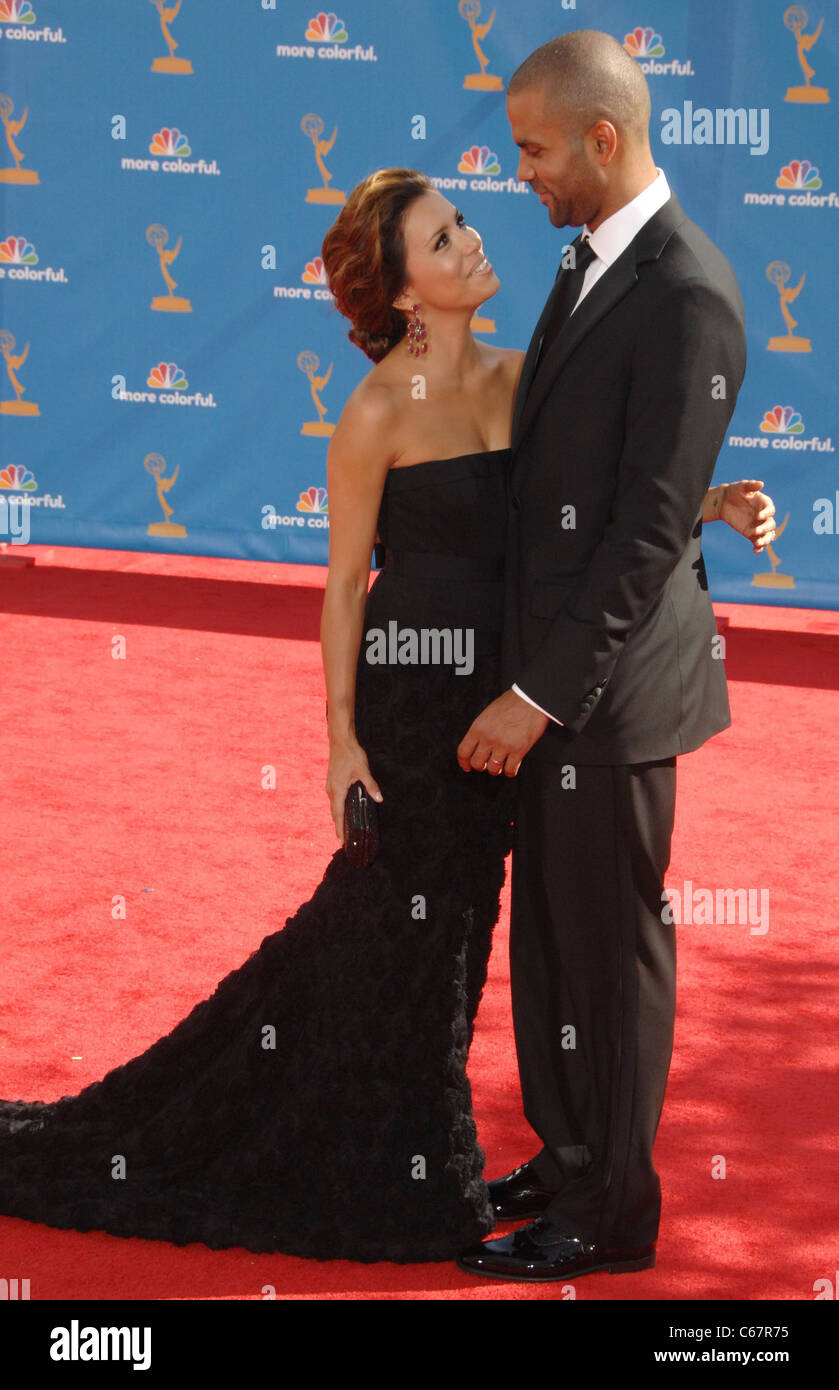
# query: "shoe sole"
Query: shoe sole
615,1267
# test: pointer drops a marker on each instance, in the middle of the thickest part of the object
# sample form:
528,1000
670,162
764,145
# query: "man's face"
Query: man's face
556,161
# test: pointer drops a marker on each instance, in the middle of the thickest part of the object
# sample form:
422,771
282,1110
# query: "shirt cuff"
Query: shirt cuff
535,706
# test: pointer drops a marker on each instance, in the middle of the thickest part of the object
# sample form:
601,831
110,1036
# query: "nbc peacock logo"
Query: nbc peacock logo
326,37
315,272
644,43
479,159
312,503
169,151
16,12
782,427
312,500
798,183
16,478
479,163
16,485
167,376
167,383
314,283
785,426
19,16
16,250
18,259
782,419
647,46
799,173
170,142
326,28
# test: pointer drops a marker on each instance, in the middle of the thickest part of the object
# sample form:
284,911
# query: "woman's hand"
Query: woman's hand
748,510
347,764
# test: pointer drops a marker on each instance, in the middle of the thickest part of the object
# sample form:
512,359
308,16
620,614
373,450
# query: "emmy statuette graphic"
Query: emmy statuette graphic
309,362
779,272
17,406
479,81
775,580
795,18
156,465
13,128
312,125
157,237
171,64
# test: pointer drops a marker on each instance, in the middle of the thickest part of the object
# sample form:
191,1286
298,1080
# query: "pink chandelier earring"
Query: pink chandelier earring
417,340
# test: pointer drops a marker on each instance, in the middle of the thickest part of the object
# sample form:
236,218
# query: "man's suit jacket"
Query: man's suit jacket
608,620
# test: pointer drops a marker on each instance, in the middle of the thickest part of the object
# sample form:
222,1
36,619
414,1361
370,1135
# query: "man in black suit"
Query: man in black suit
625,396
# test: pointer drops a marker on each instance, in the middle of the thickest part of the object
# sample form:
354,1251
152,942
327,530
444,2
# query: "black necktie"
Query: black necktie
567,294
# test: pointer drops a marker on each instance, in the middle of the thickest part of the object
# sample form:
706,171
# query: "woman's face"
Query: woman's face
445,265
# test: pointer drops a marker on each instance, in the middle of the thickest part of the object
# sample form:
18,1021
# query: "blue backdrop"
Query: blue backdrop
172,364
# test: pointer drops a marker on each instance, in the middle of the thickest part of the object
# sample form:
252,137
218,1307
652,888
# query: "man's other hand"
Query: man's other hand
497,740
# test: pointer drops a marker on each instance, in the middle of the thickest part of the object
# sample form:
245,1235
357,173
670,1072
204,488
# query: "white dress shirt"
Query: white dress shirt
608,241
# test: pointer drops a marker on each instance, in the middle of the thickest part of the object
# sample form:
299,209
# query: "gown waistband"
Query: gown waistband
418,564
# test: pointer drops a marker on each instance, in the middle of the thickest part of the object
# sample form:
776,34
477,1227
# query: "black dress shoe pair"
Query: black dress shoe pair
520,1195
543,1251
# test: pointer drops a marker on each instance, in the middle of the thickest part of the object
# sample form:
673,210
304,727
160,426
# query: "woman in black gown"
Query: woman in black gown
317,1102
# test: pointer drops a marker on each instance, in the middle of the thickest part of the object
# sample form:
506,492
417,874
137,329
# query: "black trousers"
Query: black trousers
593,978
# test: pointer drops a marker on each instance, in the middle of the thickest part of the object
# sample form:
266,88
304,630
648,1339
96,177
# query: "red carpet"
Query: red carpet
139,779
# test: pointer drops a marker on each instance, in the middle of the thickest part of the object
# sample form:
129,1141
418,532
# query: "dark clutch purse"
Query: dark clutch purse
361,827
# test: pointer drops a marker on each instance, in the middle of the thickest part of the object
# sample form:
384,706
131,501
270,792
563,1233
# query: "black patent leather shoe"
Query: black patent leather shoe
542,1251
520,1195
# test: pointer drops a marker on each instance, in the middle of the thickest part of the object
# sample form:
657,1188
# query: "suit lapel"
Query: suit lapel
529,369
613,284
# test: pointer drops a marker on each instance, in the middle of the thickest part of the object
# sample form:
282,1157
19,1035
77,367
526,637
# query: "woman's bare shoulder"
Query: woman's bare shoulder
366,425
512,361
493,352
508,359
372,400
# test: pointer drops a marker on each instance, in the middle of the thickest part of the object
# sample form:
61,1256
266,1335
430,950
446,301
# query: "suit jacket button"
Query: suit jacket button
515,503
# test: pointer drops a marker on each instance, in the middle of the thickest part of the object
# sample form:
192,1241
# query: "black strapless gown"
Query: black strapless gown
317,1102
